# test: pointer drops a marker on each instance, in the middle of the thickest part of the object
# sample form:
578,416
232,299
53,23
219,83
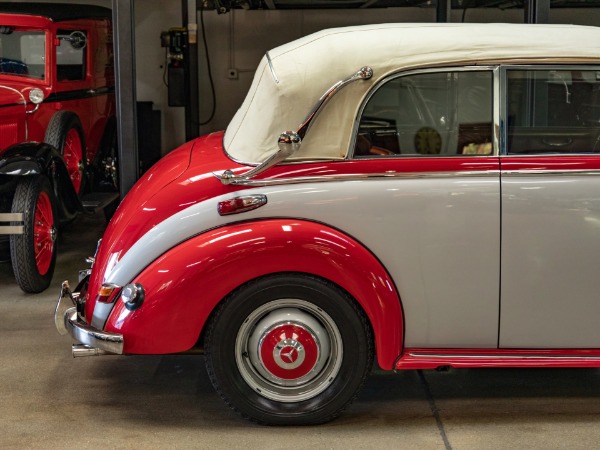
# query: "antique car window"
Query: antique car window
70,59
22,52
553,111
441,113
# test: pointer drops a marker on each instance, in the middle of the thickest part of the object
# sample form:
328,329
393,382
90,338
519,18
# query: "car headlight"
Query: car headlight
36,96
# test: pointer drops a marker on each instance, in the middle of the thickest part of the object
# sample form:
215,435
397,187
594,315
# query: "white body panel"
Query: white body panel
438,237
550,261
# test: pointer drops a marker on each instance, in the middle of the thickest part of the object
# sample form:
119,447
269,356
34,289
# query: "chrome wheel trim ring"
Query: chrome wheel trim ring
310,323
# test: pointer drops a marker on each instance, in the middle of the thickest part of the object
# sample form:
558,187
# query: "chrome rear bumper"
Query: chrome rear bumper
67,321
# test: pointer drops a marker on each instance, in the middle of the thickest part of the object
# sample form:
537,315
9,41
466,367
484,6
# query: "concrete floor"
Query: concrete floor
50,400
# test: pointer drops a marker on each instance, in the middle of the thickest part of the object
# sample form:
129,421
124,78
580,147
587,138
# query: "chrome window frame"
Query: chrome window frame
493,68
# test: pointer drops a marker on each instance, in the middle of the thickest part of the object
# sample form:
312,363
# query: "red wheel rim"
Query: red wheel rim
73,154
44,233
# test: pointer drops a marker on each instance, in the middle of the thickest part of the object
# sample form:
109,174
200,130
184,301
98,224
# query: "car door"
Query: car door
550,176
433,131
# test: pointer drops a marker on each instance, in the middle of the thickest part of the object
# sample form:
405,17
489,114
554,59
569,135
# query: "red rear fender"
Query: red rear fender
185,284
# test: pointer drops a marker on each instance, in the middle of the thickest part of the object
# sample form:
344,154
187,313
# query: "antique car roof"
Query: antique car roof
291,78
57,12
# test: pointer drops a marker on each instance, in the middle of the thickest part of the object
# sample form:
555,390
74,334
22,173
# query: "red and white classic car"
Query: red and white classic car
438,206
57,125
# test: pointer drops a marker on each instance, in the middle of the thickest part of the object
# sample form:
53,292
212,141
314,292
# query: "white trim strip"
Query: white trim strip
11,229
11,217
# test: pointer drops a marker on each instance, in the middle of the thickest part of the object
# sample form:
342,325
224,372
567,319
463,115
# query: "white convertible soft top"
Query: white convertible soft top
291,78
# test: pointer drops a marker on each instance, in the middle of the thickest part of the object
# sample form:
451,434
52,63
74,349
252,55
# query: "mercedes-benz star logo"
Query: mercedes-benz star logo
290,353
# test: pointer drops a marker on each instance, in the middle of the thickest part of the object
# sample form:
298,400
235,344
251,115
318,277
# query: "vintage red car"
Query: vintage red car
57,125
437,204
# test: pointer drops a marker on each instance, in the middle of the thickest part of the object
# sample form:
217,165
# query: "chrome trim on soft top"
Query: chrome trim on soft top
272,68
364,73
289,141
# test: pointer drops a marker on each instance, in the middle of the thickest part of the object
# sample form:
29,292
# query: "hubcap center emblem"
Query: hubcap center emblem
289,354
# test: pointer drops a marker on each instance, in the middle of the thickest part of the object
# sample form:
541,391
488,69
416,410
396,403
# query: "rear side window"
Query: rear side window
71,55
429,114
553,111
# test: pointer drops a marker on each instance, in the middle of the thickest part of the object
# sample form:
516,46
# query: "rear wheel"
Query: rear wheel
289,350
33,253
65,133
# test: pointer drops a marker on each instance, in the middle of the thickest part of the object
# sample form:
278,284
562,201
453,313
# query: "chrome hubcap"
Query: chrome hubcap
288,350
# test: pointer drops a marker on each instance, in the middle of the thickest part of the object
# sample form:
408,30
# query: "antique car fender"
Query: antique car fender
183,286
34,158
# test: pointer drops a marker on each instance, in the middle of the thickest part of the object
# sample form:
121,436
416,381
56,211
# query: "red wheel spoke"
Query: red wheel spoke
43,239
73,156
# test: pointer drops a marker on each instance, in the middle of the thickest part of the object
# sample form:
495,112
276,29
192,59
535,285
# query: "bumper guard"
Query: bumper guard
67,321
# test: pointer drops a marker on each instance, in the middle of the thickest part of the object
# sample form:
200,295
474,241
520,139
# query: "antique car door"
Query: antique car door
551,208
433,131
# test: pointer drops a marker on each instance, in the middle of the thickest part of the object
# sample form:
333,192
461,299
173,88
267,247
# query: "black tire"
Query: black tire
294,383
61,124
33,253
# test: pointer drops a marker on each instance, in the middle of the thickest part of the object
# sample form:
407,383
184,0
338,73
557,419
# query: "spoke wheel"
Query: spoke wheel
65,133
33,253
288,350
73,156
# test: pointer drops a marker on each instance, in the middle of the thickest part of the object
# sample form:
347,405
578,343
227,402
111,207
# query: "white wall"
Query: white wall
152,17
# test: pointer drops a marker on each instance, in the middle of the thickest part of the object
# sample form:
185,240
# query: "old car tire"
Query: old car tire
65,133
288,349
33,253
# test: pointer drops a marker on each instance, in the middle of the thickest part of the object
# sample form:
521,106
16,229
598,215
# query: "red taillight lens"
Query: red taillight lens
241,204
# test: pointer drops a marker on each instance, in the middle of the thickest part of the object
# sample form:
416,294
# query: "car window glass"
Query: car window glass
435,114
22,53
553,111
70,59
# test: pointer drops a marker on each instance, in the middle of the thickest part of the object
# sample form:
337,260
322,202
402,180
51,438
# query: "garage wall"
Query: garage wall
239,39
152,17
